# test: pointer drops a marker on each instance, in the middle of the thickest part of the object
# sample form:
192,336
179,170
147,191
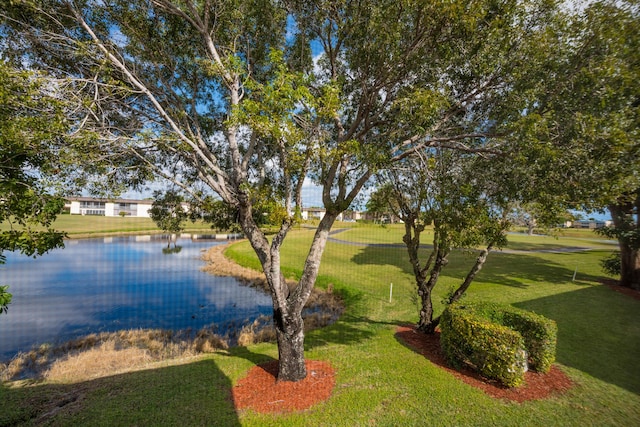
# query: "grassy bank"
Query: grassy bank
77,226
379,380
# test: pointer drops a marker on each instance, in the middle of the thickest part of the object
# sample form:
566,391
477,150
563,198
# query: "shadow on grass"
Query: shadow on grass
507,269
544,247
349,330
197,393
247,354
598,333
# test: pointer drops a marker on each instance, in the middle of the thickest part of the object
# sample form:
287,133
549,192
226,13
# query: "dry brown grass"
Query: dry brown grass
219,265
208,342
97,362
97,354
260,330
321,309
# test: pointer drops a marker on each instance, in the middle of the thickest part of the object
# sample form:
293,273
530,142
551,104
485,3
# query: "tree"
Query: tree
168,213
443,190
534,215
611,75
219,214
378,204
5,299
30,124
591,121
625,212
221,96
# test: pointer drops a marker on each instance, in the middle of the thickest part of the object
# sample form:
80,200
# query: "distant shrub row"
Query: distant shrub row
499,341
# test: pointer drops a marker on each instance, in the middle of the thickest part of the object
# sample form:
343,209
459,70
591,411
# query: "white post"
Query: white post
574,274
390,291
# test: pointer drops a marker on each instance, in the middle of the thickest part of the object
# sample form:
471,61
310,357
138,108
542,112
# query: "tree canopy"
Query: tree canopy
168,213
31,121
448,192
590,120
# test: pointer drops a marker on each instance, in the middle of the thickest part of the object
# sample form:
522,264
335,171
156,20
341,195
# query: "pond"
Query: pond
110,284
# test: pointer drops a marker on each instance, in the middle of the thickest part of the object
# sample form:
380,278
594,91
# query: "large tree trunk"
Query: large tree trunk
290,336
425,285
628,229
288,316
425,323
531,225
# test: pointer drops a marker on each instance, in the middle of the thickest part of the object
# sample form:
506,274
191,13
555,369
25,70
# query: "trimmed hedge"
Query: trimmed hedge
500,341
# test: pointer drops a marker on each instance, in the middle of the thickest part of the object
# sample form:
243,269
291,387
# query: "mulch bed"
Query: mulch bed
537,386
614,285
260,391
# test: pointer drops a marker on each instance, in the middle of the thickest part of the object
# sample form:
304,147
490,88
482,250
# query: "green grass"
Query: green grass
380,381
392,234
77,226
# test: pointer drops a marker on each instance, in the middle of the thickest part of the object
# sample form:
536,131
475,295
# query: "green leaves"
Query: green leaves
5,299
31,125
493,338
590,116
421,108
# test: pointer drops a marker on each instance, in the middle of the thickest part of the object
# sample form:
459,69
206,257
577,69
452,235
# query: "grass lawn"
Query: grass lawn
379,380
392,234
77,226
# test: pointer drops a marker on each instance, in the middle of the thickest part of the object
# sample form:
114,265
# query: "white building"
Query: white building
318,213
591,224
313,213
105,207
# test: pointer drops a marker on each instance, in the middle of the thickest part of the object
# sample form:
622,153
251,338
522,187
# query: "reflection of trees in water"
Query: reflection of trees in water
172,238
172,250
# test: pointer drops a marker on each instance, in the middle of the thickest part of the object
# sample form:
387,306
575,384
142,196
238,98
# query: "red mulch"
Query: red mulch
260,391
537,386
614,285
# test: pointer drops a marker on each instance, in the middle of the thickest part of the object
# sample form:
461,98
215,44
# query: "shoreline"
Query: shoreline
218,264
319,302
106,353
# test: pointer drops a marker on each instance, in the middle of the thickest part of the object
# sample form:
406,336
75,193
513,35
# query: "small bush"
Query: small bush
494,350
498,341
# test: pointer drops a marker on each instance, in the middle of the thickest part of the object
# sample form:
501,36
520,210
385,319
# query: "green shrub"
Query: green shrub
539,333
494,350
496,340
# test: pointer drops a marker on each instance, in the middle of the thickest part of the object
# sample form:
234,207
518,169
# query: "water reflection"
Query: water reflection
109,284
173,250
